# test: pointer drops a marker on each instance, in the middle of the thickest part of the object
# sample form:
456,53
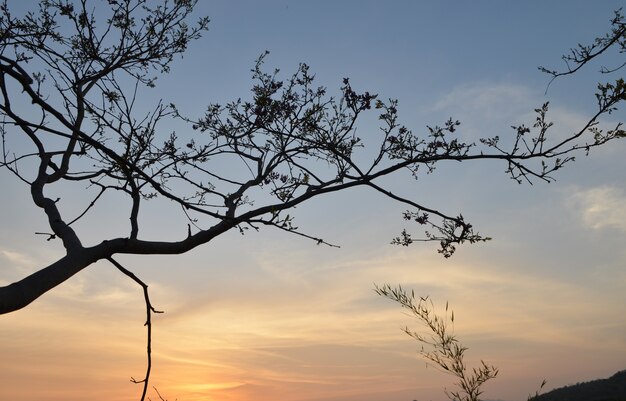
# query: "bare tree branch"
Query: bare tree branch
581,55
81,67
149,311
287,144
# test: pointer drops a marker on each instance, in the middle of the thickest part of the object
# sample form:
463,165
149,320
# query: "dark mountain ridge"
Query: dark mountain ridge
611,389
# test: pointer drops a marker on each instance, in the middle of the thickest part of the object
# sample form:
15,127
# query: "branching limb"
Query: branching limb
581,55
452,230
149,311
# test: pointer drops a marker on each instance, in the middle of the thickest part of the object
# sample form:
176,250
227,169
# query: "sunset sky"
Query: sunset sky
268,316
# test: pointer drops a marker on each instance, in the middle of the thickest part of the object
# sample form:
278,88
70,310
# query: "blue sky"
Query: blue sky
268,316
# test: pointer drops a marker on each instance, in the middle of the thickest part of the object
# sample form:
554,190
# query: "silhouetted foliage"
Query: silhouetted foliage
581,55
71,75
439,344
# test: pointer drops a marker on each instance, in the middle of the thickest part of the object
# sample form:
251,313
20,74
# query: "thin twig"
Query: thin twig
149,310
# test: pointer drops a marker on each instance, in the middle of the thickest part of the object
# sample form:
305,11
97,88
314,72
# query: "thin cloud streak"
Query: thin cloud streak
601,207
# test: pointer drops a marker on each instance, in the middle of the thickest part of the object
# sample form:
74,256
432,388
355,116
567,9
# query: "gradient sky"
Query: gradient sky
267,316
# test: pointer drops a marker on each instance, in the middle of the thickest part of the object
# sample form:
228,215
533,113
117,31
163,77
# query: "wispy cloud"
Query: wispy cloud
600,207
489,108
493,100
16,258
15,264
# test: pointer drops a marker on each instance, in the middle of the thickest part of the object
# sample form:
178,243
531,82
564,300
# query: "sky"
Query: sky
268,316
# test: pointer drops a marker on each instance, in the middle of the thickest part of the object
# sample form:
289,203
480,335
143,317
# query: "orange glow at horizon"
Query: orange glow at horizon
334,351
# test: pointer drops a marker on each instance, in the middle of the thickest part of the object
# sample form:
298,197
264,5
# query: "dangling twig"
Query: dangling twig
149,310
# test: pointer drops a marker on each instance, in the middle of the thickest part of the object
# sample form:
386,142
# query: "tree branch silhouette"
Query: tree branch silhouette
149,311
72,75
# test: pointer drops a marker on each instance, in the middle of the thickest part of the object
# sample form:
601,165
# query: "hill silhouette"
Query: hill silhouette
611,389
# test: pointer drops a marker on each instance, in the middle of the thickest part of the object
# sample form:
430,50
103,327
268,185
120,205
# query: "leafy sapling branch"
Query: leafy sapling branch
439,345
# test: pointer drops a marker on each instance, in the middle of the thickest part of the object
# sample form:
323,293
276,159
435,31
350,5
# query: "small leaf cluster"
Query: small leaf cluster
449,233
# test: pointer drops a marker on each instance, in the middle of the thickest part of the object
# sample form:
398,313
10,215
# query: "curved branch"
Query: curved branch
584,54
